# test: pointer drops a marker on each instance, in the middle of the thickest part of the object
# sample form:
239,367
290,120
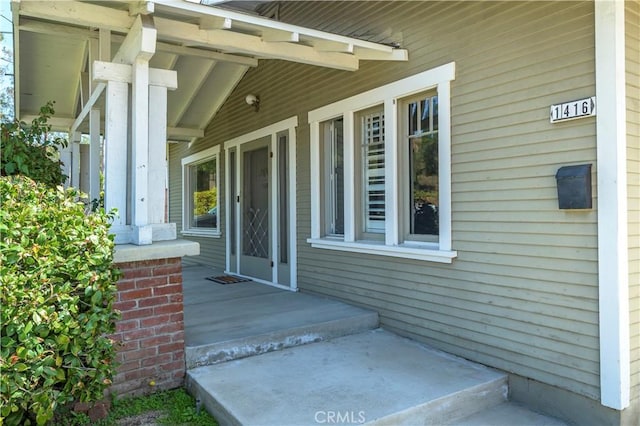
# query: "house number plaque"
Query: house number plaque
573,110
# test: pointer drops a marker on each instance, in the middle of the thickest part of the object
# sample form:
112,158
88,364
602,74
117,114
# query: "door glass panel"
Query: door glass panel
283,188
234,202
255,215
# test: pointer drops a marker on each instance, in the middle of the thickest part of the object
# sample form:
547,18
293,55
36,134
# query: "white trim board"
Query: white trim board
613,274
280,126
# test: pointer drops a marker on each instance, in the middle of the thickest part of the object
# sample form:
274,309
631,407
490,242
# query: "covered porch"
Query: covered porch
130,77
129,80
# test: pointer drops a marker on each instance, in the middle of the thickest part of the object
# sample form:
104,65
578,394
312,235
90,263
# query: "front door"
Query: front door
260,205
255,211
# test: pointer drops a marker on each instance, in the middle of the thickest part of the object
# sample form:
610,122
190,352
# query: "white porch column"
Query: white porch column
67,163
142,232
84,168
70,157
116,147
158,164
613,274
75,161
136,130
94,155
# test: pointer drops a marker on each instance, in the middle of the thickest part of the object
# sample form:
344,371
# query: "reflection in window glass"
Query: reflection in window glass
337,178
203,193
423,164
374,172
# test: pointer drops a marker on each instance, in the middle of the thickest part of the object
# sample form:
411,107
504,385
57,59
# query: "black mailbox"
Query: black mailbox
574,187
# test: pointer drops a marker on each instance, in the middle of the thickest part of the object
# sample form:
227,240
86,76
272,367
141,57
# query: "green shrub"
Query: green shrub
204,201
32,150
58,287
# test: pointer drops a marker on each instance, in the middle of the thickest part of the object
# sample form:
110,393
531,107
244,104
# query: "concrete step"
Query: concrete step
508,414
373,377
261,319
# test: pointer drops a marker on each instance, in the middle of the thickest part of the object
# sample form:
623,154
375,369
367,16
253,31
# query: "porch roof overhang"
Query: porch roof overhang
211,48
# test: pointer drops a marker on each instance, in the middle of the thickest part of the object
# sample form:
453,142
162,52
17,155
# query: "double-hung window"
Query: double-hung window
381,170
200,200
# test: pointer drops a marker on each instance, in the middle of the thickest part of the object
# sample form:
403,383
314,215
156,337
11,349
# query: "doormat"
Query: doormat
227,279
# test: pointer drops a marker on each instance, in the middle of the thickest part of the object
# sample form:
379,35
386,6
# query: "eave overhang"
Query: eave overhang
211,48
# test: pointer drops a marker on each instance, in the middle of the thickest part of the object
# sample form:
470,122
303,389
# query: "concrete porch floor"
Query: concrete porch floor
350,365
225,322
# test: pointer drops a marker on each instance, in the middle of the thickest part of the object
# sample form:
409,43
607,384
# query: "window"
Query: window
420,145
371,138
201,215
332,132
381,170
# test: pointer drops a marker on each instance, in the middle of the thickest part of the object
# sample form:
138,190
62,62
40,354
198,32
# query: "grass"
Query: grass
177,408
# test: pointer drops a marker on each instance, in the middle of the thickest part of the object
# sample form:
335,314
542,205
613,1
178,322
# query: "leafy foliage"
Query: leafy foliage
32,150
204,201
58,287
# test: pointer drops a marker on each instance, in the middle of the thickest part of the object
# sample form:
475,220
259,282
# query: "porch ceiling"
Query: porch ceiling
210,47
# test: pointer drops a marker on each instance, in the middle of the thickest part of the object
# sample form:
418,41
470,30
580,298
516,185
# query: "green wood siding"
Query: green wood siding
522,295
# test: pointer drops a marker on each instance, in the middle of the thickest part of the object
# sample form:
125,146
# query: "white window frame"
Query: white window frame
389,95
208,154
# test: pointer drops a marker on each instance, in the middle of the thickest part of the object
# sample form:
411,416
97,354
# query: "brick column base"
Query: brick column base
151,329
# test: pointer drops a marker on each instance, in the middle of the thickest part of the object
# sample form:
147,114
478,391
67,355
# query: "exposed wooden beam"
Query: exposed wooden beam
75,32
122,73
78,95
207,54
184,133
104,42
372,55
77,13
92,15
252,45
266,23
208,2
59,30
87,106
84,88
215,23
332,46
140,42
280,36
141,8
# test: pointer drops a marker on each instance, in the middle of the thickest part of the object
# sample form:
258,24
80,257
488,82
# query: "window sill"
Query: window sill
201,234
427,252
